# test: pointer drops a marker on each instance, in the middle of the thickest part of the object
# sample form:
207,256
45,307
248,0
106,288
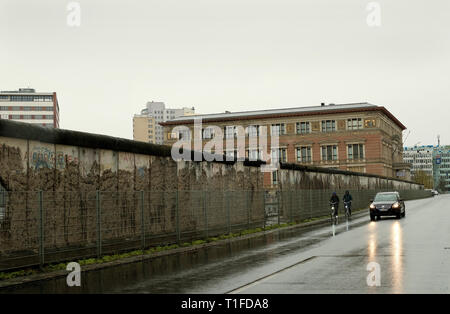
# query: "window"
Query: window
183,135
208,133
253,130
254,154
278,129
4,97
231,154
370,123
21,98
354,124
229,131
328,125
355,151
303,127
304,154
279,154
274,178
329,152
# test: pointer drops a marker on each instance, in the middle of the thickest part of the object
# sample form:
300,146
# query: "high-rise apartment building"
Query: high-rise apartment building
420,158
26,105
155,112
433,160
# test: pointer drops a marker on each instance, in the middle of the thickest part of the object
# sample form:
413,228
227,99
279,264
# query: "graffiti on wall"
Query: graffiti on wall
44,158
141,171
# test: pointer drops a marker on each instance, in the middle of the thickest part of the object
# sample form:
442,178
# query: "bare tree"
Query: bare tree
424,178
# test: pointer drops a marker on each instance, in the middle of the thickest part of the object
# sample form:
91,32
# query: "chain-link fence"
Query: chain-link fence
51,226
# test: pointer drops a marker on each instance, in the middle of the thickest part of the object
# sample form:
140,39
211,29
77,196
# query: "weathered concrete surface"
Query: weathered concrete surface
70,175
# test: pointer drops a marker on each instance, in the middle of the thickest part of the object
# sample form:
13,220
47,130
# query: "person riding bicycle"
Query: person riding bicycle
335,200
348,200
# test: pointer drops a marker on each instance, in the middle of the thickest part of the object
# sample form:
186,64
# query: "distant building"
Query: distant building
433,160
146,126
359,137
420,158
26,105
441,167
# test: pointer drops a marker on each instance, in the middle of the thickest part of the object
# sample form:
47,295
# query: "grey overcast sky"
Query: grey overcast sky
231,55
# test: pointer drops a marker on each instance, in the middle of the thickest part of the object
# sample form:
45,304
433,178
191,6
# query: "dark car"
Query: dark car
387,204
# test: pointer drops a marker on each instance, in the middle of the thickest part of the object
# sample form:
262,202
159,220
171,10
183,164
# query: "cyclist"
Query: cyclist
348,200
335,200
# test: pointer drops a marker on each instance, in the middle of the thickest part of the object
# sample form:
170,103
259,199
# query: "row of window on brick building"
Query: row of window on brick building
26,98
30,117
279,129
25,108
303,154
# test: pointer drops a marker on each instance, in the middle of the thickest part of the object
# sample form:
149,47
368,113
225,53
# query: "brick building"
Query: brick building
358,137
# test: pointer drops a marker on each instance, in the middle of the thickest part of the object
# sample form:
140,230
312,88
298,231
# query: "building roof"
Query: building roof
426,147
25,92
285,112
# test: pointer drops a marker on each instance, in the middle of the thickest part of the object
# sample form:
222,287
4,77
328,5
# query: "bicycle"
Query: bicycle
333,214
348,214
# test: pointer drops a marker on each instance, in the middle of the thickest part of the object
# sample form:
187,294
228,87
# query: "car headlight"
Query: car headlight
396,205
372,206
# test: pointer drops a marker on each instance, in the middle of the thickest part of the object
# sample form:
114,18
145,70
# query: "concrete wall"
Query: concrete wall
296,177
69,167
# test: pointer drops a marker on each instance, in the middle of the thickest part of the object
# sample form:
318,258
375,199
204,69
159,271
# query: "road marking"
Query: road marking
262,279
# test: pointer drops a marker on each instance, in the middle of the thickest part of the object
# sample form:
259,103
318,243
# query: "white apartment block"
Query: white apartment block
159,113
26,105
420,158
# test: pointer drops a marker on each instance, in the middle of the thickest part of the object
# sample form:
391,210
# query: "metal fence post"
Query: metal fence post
291,202
41,229
227,199
142,220
310,203
205,210
99,225
279,195
247,205
264,209
177,217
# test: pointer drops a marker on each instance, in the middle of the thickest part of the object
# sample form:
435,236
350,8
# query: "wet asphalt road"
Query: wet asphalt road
413,254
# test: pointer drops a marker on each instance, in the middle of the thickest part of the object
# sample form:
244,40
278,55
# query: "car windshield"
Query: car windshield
385,198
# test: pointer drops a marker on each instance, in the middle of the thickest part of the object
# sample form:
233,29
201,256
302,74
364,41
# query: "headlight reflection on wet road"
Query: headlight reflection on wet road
396,253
